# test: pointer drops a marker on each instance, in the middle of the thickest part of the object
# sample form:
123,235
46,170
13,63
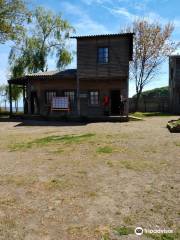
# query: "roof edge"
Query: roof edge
104,35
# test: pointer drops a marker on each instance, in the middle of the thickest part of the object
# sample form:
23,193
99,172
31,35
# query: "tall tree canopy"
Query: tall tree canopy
46,37
152,45
13,15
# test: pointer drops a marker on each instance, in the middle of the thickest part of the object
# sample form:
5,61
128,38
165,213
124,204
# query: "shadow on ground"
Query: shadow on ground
48,123
24,122
61,122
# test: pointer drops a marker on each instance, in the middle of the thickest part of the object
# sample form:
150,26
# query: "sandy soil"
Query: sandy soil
114,175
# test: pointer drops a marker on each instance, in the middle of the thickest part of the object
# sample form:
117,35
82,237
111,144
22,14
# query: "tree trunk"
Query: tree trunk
16,106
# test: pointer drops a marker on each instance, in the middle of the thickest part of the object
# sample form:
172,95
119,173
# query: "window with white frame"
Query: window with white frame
70,94
94,98
49,96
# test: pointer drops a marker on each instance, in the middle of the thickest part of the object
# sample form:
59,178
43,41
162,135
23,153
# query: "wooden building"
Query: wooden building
174,83
93,89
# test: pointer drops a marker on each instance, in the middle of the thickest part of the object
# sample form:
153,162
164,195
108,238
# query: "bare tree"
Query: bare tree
152,45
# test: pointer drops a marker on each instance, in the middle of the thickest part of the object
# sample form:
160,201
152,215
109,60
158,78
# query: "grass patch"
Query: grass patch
124,231
66,139
59,151
8,222
56,183
92,194
128,220
150,114
7,202
110,164
105,237
138,165
177,144
106,149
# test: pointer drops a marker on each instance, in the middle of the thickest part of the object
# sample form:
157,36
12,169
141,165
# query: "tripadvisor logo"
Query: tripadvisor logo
138,231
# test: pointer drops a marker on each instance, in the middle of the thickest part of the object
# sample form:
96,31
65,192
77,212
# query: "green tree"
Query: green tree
3,94
16,95
13,15
47,38
16,92
156,92
152,45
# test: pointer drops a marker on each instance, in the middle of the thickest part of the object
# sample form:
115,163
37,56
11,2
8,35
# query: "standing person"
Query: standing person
121,105
106,105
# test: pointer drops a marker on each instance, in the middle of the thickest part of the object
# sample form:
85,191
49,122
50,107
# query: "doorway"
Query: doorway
115,101
34,103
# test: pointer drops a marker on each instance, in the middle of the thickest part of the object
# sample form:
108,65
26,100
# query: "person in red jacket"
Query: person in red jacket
106,105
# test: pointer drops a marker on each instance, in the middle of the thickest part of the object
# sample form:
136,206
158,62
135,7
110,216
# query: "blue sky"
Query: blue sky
106,16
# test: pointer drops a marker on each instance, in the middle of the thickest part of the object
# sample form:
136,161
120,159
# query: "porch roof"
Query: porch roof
69,73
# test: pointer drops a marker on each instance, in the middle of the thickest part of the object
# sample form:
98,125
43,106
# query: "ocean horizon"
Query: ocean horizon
20,109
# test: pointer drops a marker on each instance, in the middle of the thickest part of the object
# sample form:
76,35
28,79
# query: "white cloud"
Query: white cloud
84,24
150,16
123,12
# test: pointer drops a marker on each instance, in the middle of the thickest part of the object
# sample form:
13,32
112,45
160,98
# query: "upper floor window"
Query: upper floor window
103,55
70,94
49,96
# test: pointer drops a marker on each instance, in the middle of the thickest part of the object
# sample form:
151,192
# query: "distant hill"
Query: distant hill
156,92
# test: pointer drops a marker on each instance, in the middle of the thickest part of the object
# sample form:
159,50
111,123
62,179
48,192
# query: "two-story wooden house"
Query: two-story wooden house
174,83
93,89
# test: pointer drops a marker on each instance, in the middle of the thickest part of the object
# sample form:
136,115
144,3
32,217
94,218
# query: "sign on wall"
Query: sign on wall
60,103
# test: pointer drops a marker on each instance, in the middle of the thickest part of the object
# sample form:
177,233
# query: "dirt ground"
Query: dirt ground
72,182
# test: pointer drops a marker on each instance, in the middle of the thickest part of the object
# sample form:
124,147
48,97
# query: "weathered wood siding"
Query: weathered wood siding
174,83
119,56
177,74
105,86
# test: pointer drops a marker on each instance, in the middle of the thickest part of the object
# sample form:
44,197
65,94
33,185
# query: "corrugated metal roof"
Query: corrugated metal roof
175,56
53,73
105,35
48,73
44,75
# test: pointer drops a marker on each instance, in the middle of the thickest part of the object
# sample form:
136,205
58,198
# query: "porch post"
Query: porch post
78,96
10,98
28,92
24,99
127,97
